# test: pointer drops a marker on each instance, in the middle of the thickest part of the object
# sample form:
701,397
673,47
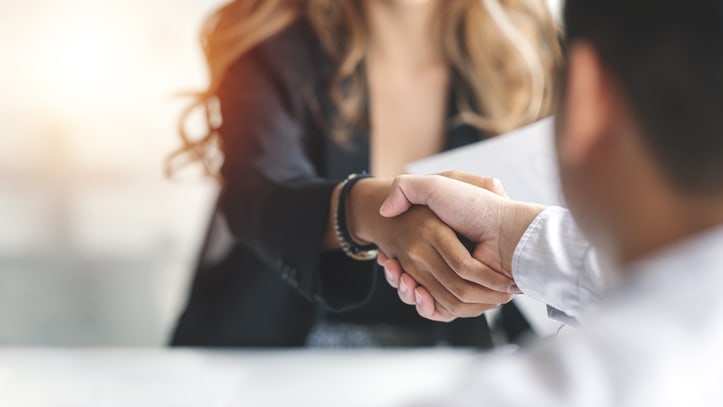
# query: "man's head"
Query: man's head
641,116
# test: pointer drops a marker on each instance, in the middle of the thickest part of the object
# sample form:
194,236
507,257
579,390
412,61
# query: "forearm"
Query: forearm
362,206
346,283
362,211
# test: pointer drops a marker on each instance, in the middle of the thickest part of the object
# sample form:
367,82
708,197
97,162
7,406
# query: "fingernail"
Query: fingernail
417,298
514,289
383,207
403,287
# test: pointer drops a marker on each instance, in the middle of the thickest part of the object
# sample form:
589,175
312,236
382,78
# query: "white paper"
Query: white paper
525,161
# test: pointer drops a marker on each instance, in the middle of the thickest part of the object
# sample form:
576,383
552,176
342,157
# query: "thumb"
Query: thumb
491,184
397,202
498,188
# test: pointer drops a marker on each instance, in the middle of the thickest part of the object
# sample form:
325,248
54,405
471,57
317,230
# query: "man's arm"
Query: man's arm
555,264
540,248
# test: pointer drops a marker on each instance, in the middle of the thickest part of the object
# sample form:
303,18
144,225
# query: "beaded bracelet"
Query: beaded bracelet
350,248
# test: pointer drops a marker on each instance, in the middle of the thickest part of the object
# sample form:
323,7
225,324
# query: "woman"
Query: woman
304,93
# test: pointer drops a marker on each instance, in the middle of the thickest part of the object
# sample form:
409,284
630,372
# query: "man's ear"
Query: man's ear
588,105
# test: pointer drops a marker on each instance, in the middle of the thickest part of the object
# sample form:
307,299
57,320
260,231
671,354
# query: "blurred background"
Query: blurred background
96,245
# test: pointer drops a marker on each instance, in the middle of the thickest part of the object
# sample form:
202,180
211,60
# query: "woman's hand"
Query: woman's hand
477,207
430,253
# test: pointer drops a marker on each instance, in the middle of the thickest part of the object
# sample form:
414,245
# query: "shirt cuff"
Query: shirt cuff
549,259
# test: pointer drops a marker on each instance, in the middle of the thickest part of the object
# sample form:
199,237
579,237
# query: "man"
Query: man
640,148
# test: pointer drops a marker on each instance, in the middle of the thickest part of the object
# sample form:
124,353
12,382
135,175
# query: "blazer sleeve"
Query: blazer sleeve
273,198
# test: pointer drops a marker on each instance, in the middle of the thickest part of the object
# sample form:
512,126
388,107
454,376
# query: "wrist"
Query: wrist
362,208
517,217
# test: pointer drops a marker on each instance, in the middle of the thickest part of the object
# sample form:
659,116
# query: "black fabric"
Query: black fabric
279,172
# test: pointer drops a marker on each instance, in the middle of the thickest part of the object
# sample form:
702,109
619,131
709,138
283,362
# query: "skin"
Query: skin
493,221
615,187
408,84
408,79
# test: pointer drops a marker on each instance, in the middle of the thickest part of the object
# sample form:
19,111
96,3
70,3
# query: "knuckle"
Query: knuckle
462,272
455,262
416,251
491,279
457,308
464,293
506,298
412,272
488,183
464,266
482,309
403,297
500,285
425,231
453,174
429,226
445,315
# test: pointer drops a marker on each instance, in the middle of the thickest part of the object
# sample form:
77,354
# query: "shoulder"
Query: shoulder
294,55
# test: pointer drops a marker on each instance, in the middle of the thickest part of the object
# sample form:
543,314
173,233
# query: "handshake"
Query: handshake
431,268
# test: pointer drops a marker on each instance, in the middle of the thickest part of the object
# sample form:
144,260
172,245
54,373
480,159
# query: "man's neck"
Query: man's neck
665,223
402,33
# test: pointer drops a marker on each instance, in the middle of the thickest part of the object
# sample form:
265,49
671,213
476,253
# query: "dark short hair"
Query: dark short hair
667,57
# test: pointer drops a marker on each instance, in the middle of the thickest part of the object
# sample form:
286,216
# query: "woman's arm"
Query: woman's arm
274,200
278,205
429,249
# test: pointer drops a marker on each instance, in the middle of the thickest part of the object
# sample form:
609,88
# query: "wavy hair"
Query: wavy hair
504,54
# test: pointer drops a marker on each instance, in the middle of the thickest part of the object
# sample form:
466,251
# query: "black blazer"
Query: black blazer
273,281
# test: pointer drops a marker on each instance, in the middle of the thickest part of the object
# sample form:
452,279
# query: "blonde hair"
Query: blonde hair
504,52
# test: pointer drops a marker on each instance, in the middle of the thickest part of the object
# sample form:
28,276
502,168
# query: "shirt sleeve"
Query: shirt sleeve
554,263
274,199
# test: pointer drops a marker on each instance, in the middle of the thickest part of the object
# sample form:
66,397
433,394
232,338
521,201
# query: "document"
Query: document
525,161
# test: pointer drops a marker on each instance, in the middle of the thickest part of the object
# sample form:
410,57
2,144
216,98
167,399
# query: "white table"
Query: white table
161,377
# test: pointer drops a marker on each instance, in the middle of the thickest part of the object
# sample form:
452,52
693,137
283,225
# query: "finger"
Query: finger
393,272
382,258
434,287
407,190
463,290
468,268
466,208
488,183
407,285
460,299
396,202
424,302
460,273
499,188
430,309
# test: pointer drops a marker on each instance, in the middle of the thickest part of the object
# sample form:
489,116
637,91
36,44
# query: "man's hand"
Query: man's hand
466,204
421,242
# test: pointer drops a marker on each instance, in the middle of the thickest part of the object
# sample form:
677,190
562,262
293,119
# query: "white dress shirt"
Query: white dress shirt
653,338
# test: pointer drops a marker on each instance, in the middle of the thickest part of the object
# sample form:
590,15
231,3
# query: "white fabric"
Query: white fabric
656,340
553,263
